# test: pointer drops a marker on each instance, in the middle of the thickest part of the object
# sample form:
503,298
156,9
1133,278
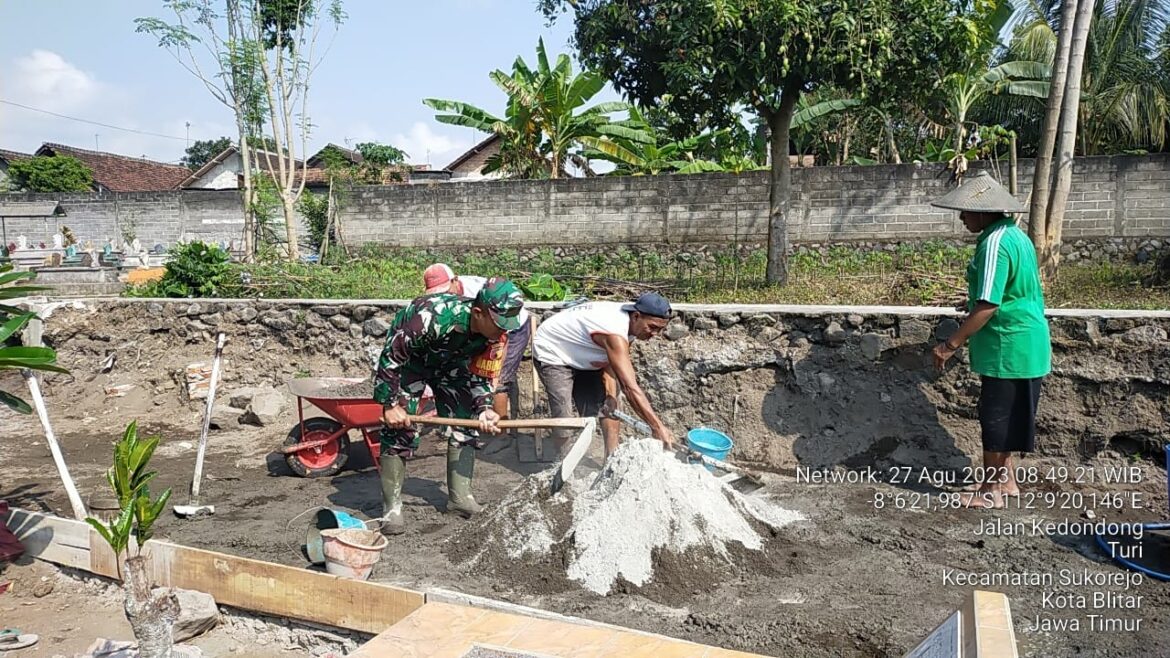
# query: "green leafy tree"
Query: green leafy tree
714,56
50,173
151,613
546,115
203,150
315,208
380,163
13,355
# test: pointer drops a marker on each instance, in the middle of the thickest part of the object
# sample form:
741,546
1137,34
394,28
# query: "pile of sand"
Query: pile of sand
645,506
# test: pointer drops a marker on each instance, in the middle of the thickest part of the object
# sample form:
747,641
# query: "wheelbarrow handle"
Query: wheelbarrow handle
523,423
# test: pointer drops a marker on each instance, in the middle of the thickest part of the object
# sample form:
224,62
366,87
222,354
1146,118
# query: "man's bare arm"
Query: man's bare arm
618,351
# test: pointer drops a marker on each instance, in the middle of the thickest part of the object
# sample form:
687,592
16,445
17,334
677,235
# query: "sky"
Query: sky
385,58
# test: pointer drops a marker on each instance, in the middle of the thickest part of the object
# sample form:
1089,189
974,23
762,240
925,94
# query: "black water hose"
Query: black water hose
1130,563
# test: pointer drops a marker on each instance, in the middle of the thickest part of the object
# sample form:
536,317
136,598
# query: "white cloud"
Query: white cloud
424,145
46,80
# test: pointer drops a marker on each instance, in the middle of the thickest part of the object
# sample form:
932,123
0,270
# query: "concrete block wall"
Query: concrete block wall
154,217
1112,197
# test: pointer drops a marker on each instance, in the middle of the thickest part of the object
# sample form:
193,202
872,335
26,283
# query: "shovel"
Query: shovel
193,508
740,479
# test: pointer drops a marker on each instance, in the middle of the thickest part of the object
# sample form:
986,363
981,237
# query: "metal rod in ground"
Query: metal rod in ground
70,489
193,506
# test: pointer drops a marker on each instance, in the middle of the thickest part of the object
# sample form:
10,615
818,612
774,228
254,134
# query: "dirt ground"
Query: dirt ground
870,573
851,581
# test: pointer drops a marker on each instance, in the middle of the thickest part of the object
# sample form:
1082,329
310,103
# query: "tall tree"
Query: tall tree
713,56
264,55
1049,195
1066,140
228,70
546,114
203,150
1123,89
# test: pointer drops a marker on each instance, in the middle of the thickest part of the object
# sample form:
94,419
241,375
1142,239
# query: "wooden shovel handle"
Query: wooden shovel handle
523,423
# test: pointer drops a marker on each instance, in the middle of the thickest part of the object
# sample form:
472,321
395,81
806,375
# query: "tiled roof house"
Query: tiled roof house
120,173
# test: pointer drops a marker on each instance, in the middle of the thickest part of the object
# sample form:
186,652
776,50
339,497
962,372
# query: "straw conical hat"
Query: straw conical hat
980,193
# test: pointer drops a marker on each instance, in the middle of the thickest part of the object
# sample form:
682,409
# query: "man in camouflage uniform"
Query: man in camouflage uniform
432,342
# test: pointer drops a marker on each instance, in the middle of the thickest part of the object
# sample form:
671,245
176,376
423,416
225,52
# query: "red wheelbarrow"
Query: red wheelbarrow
318,447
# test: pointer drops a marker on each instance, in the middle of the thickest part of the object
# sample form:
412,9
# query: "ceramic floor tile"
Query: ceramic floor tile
496,628
559,639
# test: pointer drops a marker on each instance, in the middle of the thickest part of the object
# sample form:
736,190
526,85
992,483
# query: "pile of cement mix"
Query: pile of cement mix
342,390
644,508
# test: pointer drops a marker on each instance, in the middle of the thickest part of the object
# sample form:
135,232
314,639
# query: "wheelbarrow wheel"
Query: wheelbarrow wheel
321,461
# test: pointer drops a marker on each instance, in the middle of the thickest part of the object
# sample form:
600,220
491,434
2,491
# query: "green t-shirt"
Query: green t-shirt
1015,343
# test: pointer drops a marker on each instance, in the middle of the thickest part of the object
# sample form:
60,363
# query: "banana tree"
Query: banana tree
967,89
12,321
520,153
546,115
633,145
806,119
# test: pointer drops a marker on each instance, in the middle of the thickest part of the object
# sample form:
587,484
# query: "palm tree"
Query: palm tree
1125,101
546,115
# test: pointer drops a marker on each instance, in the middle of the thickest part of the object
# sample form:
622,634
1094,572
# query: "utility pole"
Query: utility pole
188,134
96,147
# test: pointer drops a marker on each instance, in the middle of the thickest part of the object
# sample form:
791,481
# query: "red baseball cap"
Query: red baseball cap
437,278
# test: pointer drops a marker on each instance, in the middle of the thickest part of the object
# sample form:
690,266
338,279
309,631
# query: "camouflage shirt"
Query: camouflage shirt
431,339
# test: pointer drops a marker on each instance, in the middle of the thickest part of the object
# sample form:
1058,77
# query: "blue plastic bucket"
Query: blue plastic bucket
713,443
326,519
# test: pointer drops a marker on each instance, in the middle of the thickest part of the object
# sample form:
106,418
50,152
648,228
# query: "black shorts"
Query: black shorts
1007,414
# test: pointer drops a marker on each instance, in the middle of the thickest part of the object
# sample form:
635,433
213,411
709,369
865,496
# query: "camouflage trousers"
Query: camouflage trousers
453,399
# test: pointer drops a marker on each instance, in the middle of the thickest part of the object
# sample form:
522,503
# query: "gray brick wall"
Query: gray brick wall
1112,197
155,217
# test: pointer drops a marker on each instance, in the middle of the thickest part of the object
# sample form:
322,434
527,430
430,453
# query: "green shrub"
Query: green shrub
196,269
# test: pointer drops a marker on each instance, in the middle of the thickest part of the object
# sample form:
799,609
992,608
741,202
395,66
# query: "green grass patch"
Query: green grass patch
931,274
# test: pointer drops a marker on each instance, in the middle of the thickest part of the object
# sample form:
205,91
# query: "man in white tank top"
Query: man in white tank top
582,355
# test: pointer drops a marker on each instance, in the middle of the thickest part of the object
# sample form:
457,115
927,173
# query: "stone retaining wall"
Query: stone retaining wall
814,386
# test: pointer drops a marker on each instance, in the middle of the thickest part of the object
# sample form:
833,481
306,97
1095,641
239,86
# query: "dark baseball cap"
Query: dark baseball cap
650,303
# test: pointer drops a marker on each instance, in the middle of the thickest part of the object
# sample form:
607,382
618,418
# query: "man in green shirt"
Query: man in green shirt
1005,329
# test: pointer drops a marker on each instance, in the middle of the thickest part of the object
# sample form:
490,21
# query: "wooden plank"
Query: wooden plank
452,629
60,541
996,635
236,581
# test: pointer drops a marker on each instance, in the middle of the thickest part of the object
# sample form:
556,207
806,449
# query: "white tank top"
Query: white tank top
566,339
